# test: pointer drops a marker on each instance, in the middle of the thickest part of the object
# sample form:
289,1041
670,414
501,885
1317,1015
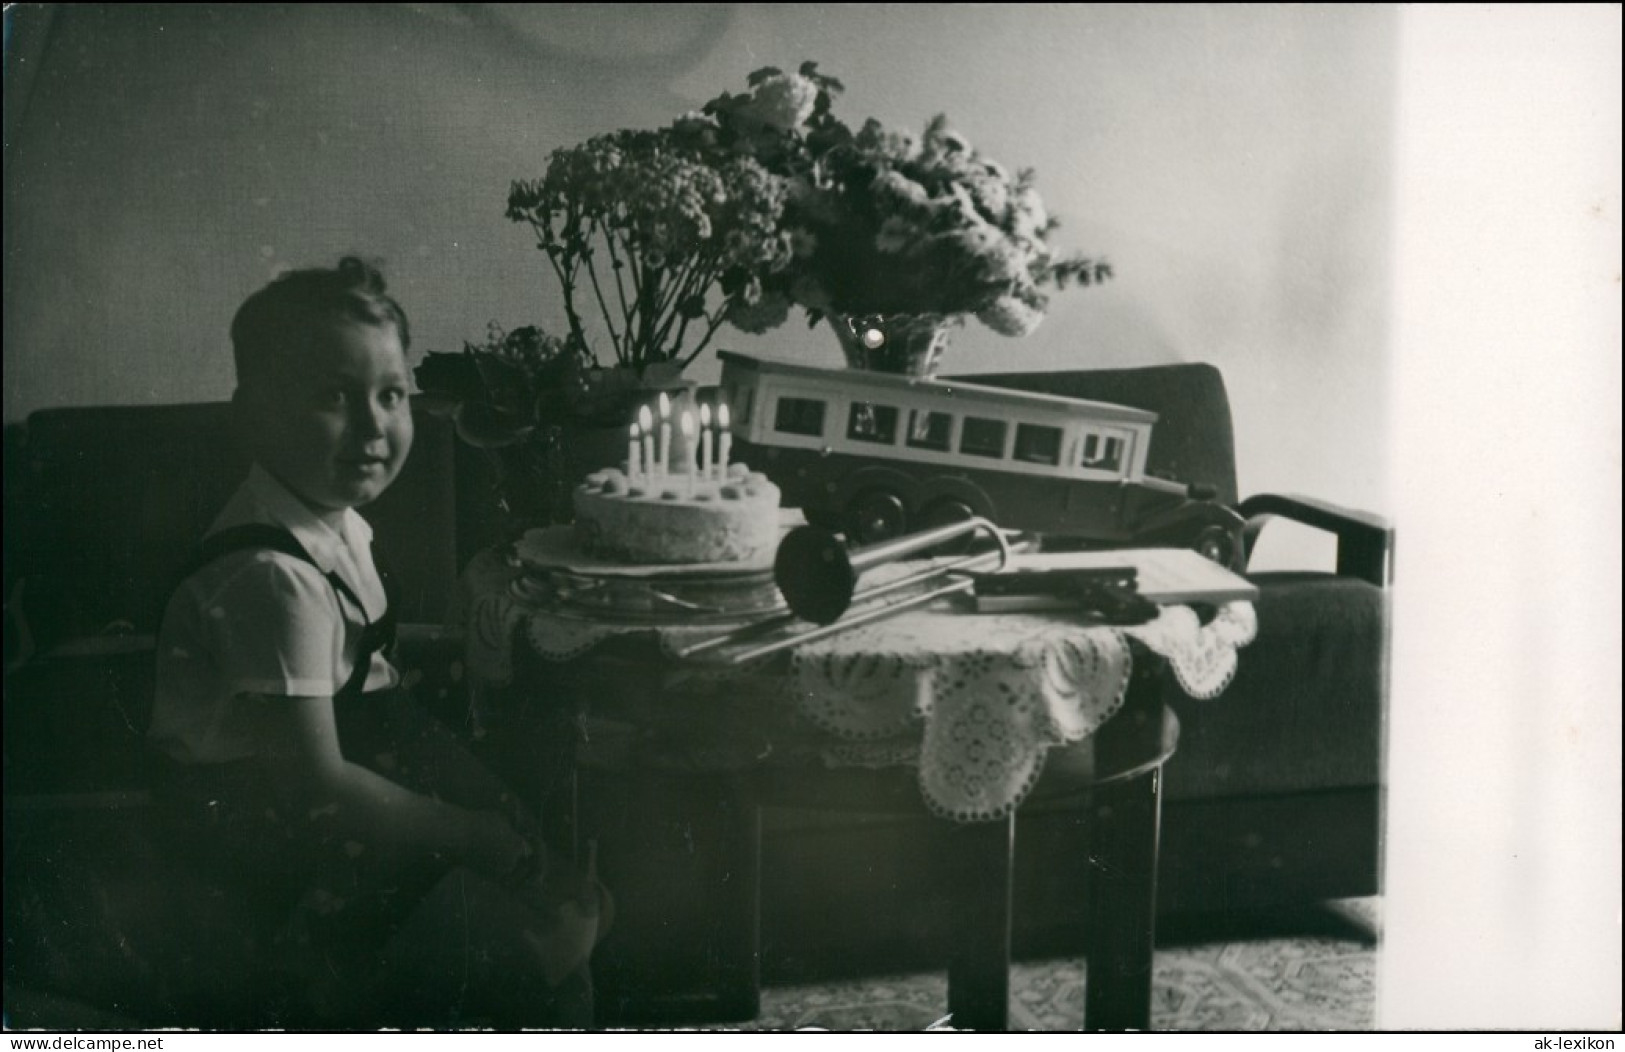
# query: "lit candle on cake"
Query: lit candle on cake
646,424
634,456
688,447
705,441
665,434
724,442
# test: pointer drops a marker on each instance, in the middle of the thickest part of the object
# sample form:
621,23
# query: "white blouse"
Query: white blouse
258,622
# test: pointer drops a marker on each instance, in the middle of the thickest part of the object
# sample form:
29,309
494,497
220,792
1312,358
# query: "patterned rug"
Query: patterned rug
1321,980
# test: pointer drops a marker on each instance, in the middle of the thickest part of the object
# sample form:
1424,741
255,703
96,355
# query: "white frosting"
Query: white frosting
675,520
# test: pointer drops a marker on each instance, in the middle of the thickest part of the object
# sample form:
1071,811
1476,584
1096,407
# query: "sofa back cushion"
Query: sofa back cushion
1193,441
114,499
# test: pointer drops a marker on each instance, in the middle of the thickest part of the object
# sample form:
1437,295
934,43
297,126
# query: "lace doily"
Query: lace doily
991,694
975,700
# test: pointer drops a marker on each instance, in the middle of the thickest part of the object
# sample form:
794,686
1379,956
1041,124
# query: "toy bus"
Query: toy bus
877,455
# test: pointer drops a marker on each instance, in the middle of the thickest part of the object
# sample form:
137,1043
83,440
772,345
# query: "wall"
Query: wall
1232,163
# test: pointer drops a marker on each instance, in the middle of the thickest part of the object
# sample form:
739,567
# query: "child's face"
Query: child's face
337,426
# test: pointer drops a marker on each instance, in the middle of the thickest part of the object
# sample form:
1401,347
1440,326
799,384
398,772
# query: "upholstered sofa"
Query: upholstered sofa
1273,799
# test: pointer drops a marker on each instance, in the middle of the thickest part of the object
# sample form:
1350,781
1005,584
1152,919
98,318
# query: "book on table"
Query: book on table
1052,580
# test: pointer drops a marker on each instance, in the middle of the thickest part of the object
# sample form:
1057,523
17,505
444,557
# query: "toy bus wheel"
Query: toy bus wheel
876,516
943,512
1216,543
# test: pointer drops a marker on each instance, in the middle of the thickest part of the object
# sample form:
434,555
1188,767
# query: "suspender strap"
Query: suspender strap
260,535
376,635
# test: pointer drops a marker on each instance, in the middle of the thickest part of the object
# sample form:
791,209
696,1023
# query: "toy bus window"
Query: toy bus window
1037,444
928,430
1102,452
739,404
982,437
869,422
800,416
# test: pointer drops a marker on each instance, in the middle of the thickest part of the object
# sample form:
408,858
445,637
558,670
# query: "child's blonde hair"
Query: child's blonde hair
274,323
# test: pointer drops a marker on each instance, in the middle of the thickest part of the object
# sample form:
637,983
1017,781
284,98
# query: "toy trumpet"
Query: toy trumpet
818,577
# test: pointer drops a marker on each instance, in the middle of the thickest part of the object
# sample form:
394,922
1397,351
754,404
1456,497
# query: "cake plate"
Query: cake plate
558,575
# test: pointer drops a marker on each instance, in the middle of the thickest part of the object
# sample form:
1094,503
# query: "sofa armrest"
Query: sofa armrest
1365,542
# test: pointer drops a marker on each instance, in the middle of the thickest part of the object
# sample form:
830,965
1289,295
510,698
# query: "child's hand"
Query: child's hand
575,911
563,895
566,942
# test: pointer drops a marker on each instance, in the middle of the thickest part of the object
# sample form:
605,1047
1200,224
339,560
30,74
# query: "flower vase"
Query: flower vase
530,481
907,344
601,441
537,476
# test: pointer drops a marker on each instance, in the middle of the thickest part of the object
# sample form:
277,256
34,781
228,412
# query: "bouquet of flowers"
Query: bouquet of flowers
882,223
656,241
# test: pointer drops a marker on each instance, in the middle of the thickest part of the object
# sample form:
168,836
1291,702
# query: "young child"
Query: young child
403,880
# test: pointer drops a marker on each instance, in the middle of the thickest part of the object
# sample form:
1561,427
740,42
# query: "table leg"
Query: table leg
1122,895
978,858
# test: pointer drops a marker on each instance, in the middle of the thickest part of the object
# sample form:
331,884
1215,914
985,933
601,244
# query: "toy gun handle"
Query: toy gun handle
1109,594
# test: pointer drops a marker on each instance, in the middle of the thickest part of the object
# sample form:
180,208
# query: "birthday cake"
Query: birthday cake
726,515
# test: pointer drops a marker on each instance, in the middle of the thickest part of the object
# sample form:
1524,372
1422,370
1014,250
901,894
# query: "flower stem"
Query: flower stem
620,285
566,276
716,322
698,275
603,310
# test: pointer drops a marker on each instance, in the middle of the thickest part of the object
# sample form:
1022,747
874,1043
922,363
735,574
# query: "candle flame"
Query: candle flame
635,431
705,415
644,418
665,406
722,415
